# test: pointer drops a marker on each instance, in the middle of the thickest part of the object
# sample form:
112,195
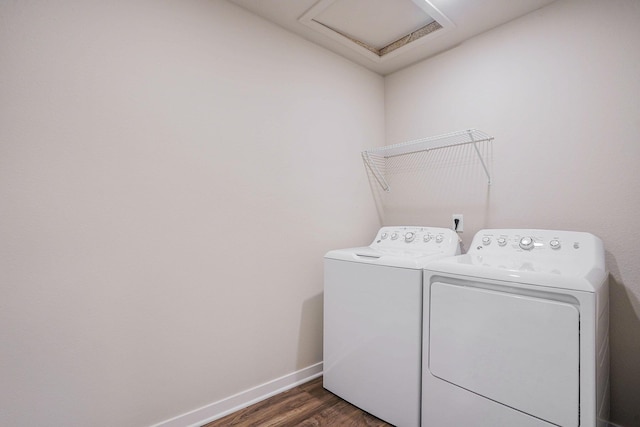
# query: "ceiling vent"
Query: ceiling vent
377,29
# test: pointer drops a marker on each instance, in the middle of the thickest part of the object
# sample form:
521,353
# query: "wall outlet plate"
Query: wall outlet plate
459,227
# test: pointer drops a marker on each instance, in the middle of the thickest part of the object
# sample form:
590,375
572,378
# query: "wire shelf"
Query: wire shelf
375,158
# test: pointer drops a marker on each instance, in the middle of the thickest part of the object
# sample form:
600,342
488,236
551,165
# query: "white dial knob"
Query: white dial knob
526,243
502,241
555,244
427,237
384,235
394,236
409,236
486,240
439,239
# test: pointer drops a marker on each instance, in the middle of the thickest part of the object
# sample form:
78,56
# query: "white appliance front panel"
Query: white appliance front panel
447,405
517,350
373,338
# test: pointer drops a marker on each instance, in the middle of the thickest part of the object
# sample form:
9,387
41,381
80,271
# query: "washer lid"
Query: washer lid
386,256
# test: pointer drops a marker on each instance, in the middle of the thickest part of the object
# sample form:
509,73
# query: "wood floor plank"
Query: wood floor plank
308,405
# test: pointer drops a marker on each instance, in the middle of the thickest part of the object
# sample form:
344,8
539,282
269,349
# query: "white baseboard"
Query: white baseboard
221,408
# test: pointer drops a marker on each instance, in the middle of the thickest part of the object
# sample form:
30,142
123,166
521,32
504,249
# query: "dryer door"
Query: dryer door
516,350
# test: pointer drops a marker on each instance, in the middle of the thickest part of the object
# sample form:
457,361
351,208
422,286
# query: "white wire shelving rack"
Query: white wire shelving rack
374,158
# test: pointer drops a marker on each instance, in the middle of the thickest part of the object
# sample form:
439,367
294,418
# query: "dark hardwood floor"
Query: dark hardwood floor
306,405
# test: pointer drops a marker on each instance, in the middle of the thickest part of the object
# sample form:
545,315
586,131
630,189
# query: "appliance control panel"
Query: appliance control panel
534,242
415,238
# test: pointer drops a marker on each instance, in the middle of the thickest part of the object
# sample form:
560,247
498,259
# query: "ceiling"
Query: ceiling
388,35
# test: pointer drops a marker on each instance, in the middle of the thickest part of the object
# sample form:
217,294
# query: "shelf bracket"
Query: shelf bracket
484,166
375,171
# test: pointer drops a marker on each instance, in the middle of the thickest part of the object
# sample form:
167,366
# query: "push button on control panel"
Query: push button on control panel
526,243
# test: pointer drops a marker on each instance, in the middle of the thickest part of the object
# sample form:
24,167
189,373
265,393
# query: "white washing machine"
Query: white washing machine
373,320
516,332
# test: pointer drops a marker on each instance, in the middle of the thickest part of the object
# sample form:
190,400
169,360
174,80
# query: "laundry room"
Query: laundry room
173,172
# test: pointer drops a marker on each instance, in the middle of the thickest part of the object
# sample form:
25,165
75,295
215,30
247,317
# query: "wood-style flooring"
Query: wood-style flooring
308,405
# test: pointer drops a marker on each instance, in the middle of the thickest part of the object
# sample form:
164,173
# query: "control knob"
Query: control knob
408,237
394,236
427,237
555,244
486,240
439,239
526,243
384,235
502,241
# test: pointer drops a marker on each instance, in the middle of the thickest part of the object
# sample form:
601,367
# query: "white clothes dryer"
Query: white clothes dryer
516,332
373,320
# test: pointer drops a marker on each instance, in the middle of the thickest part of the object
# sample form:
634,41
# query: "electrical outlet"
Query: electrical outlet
457,223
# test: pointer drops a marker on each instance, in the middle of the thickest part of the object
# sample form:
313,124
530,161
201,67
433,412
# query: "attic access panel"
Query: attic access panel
377,29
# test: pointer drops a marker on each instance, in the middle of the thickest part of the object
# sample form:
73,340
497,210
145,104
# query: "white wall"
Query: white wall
148,148
559,91
171,173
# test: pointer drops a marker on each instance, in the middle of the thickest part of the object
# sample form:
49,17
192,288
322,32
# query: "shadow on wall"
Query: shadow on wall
310,335
624,345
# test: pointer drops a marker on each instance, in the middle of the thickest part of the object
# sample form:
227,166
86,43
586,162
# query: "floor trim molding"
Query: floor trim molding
221,408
